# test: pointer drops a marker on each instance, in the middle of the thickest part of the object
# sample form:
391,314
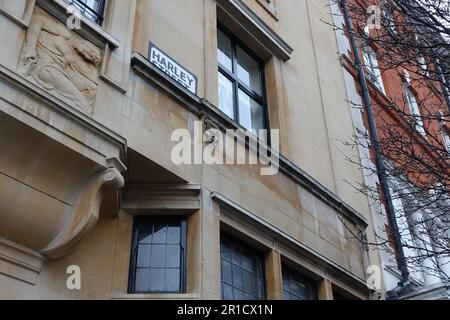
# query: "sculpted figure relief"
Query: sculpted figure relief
60,61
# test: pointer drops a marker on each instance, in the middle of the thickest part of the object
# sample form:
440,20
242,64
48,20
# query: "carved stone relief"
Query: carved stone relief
60,61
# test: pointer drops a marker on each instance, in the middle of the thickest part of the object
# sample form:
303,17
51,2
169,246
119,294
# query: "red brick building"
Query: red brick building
399,113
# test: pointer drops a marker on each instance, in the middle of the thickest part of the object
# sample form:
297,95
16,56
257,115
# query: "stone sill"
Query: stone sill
126,296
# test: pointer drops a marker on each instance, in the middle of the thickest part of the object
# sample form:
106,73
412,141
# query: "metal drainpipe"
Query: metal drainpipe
381,169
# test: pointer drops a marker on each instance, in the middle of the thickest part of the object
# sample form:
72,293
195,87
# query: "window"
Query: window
242,271
422,64
241,83
296,286
373,70
390,22
446,139
414,108
92,9
407,237
158,255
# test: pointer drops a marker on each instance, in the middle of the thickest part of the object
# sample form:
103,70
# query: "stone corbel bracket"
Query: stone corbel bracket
85,213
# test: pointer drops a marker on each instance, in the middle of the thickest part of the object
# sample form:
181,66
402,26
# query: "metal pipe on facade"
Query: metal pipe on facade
381,169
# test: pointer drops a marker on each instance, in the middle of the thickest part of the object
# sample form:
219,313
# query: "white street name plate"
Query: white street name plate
173,69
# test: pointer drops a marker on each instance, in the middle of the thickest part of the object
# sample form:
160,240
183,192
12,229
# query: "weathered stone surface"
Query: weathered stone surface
60,61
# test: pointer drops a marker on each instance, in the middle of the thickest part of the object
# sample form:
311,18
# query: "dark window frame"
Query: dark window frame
310,284
238,84
97,16
138,220
256,253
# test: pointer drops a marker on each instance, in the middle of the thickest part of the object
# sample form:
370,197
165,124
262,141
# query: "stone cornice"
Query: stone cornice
250,21
202,107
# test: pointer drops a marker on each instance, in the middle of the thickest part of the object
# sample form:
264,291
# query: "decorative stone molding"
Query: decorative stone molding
60,61
19,262
53,229
149,198
237,16
85,213
209,128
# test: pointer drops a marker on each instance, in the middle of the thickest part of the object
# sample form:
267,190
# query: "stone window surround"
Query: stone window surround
141,200
280,249
120,291
240,19
140,225
264,42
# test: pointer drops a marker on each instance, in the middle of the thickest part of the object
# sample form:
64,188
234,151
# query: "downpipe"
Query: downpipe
405,283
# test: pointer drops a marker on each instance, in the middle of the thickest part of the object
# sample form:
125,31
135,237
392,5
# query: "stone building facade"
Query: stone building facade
88,181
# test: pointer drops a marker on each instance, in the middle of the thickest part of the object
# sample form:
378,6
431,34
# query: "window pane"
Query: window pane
249,281
227,292
172,280
247,263
297,287
224,51
248,71
142,280
225,252
143,259
227,273
226,96
159,233
250,113
239,282
238,294
158,256
237,277
145,233
173,233
157,280
173,256
415,111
